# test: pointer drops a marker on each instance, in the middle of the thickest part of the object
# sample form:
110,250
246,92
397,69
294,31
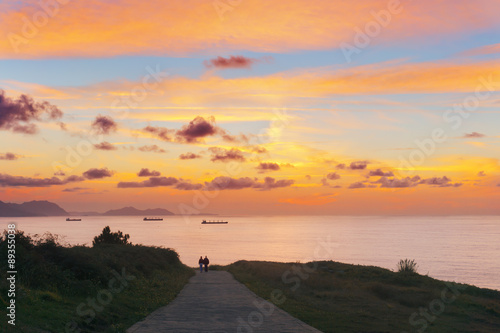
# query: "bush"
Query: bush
108,237
407,266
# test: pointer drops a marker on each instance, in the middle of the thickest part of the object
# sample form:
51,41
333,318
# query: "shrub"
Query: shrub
407,266
108,237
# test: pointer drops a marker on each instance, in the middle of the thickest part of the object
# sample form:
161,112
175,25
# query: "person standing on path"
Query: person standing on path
201,261
206,262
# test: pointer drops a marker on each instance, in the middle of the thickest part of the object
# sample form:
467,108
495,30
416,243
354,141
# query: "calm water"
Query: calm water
462,249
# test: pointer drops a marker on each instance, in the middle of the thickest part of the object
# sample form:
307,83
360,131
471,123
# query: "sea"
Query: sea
463,249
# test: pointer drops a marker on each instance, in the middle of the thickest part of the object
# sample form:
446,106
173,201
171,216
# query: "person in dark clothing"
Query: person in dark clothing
201,264
206,262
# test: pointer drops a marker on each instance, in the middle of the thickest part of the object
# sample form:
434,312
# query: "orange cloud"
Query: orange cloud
96,28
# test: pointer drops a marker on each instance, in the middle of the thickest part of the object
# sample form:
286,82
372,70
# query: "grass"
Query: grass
55,284
336,297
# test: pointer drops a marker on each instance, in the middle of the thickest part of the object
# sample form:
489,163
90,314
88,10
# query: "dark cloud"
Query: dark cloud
258,150
146,173
308,177
224,155
481,174
242,138
59,173
105,146
415,181
340,166
380,173
398,183
189,156
8,181
358,165
270,183
440,182
332,176
228,183
151,182
473,135
75,189
161,132
104,125
194,132
18,115
9,157
357,185
187,186
95,173
152,148
198,128
268,166
232,62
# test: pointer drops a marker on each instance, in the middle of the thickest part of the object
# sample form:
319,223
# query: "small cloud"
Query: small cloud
105,146
233,62
151,182
104,125
481,174
75,189
308,177
332,176
258,149
380,173
358,165
189,156
9,156
340,166
224,155
152,148
473,135
146,173
59,173
228,183
268,166
357,185
95,173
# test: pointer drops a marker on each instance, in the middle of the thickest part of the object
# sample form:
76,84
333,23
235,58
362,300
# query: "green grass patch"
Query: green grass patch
336,297
105,288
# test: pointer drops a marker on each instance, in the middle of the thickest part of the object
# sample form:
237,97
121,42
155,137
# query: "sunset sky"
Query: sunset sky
252,106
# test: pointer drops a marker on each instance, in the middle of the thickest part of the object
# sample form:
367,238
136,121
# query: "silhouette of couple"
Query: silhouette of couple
203,262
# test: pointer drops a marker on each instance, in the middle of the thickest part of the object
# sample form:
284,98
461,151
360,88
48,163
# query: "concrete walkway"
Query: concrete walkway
215,302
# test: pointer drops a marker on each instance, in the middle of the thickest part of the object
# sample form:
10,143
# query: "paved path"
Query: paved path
215,302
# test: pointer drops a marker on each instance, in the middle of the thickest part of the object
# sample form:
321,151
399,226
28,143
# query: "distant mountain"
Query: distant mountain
131,211
32,208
